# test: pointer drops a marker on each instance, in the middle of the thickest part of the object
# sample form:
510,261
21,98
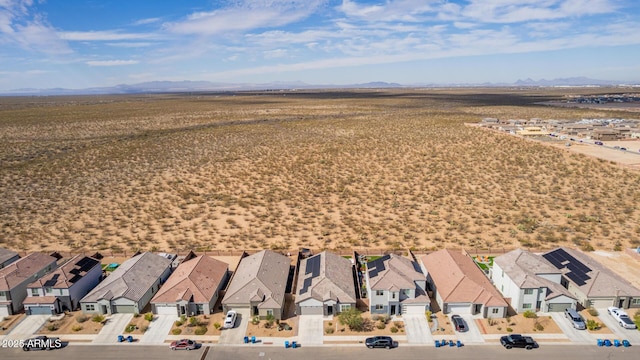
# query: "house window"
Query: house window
34,292
393,294
494,310
48,290
526,306
379,307
90,307
269,312
635,301
407,292
379,292
345,307
528,291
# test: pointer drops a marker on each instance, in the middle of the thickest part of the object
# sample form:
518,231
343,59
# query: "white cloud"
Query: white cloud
147,21
109,35
111,62
28,31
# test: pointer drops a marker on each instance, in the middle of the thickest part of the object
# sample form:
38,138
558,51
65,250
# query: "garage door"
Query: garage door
4,311
40,310
559,307
414,309
125,309
312,310
166,310
458,308
602,304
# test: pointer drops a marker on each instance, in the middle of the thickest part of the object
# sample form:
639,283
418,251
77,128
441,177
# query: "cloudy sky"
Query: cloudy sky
87,43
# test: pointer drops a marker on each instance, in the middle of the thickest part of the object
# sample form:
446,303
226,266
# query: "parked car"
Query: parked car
230,319
458,323
623,148
380,342
621,317
599,143
575,319
42,343
517,340
183,344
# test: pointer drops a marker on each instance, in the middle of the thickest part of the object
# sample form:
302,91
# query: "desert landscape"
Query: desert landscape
394,169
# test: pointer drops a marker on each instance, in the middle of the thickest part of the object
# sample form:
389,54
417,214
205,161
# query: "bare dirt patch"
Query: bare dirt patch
444,325
8,322
602,329
185,326
72,323
374,325
519,325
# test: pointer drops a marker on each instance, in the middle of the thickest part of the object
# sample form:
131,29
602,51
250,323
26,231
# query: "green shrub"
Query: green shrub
217,325
394,329
130,328
352,318
200,330
183,318
428,315
148,316
509,329
193,321
329,330
136,315
82,318
255,320
178,323
53,327
539,327
530,314
76,328
381,325
593,325
176,331
98,318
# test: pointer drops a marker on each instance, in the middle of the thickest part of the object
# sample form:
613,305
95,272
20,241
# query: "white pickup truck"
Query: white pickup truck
621,317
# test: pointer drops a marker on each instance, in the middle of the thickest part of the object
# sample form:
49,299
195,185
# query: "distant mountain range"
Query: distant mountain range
202,86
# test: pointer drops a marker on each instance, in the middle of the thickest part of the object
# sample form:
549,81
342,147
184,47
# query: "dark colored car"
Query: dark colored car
517,340
458,323
183,344
42,343
599,143
380,342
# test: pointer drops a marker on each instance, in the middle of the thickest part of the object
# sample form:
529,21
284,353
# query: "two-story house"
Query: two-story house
395,286
62,289
15,277
530,282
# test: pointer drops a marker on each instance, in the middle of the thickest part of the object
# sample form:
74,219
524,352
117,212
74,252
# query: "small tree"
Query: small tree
352,318
148,316
530,314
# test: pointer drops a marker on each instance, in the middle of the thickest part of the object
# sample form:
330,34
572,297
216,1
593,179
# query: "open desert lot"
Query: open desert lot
288,169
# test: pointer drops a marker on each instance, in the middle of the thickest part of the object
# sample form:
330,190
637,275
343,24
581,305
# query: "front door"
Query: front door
477,308
183,310
393,309
621,303
329,309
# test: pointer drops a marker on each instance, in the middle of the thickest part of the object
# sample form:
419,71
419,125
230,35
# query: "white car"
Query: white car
230,320
621,317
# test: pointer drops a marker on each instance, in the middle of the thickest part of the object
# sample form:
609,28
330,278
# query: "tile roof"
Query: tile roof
259,277
34,300
132,279
6,254
67,274
333,280
23,269
599,280
459,280
393,272
197,278
524,268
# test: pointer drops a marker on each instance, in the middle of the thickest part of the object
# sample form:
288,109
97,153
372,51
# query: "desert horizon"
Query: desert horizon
392,168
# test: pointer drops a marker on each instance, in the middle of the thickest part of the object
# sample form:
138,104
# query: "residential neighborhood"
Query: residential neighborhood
302,296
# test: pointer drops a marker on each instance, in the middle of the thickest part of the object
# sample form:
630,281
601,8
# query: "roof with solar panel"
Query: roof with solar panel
67,274
589,275
326,276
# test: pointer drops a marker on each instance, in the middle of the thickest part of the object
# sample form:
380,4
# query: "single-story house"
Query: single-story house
326,285
62,289
395,286
590,282
259,284
15,277
7,257
130,287
530,282
460,286
192,289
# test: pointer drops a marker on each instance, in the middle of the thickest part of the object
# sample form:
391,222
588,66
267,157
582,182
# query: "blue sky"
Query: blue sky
78,44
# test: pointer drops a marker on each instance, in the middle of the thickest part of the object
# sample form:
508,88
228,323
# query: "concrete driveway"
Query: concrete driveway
473,334
116,323
417,329
237,334
27,327
158,329
575,335
310,329
633,335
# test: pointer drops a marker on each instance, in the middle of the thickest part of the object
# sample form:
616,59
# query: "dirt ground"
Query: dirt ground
261,330
209,321
444,325
621,263
9,322
371,329
603,329
519,325
631,157
70,325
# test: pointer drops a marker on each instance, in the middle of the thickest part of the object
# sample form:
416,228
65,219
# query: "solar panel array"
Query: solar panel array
305,285
377,266
312,267
577,270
